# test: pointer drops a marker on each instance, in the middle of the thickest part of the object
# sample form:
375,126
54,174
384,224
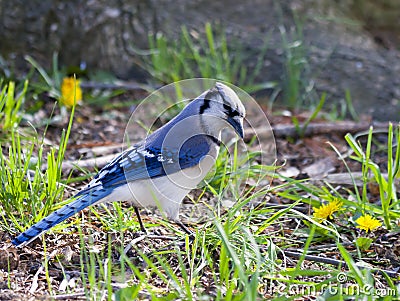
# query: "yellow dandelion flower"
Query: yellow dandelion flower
326,211
368,223
70,91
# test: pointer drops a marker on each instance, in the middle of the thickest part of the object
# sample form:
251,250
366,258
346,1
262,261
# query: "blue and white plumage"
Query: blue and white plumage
161,170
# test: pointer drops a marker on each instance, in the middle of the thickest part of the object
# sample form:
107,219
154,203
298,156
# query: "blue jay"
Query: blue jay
161,170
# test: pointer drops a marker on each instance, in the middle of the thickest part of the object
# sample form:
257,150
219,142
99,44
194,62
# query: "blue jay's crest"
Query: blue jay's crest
162,169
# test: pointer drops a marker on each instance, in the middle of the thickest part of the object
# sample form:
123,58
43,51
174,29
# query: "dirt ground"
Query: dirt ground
99,132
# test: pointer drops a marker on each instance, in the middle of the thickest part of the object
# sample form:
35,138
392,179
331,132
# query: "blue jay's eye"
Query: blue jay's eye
230,112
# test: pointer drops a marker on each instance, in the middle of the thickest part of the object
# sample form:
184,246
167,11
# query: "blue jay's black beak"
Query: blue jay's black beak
237,124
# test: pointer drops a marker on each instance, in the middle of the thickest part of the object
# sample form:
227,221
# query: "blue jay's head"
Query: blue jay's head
223,104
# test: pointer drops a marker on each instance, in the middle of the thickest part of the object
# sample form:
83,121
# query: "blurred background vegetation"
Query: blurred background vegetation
289,52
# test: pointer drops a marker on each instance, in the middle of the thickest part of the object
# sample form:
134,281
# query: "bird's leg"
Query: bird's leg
186,229
179,243
142,228
178,222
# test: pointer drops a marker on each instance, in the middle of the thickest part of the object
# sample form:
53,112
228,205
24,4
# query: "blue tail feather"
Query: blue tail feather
58,216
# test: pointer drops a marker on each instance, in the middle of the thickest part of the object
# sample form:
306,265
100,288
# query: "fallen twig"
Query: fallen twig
69,296
336,262
98,162
290,130
114,86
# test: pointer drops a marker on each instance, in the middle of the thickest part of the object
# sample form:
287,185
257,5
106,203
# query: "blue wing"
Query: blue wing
142,162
